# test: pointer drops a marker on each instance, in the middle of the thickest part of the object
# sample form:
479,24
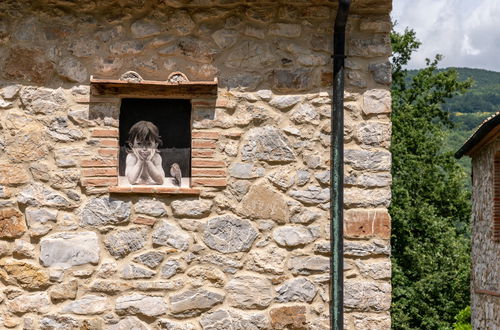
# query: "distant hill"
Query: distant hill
470,109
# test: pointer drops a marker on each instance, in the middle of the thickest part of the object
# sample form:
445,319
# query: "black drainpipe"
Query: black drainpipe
337,171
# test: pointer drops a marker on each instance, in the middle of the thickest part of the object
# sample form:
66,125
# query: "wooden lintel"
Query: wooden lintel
153,89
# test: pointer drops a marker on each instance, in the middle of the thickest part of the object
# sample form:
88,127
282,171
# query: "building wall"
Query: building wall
251,251
485,286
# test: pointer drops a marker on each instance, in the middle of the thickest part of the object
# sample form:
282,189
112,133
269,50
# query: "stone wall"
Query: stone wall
251,252
485,286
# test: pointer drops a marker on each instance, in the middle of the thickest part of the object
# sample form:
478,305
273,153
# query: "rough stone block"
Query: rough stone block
12,223
249,292
169,235
263,202
141,304
228,234
122,242
194,302
69,249
289,317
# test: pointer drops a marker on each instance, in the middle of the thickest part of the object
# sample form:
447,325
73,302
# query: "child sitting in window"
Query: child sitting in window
143,162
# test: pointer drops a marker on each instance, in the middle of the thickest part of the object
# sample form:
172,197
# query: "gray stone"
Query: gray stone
169,325
59,322
141,304
60,132
132,47
381,72
284,102
303,177
372,133
39,195
131,271
104,211
64,179
304,113
194,302
283,179
362,249
293,236
249,292
368,160
267,144
312,160
198,208
306,216
150,207
307,265
225,38
364,198
367,296
322,248
254,32
233,320
376,270
43,100
87,305
377,101
265,94
285,30
239,188
228,265
313,195
170,268
36,216
246,171
368,180
129,323
298,79
69,249
180,22
372,46
144,28
151,259
84,47
38,302
297,289
72,69
169,235
323,177
122,242
229,234
250,54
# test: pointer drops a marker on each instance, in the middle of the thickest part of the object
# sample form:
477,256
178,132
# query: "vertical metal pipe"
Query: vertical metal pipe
337,171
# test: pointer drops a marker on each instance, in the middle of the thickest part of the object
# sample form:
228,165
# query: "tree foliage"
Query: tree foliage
430,206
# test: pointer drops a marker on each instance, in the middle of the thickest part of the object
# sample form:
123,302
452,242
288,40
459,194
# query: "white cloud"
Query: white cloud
466,32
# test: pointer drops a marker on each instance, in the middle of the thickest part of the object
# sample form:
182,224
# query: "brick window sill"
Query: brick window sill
154,190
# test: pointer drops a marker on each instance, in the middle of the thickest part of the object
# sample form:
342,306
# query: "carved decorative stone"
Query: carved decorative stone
131,76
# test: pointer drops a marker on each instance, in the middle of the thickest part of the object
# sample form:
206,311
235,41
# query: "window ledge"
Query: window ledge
155,190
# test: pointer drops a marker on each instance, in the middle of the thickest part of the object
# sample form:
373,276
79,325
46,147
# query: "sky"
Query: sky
465,32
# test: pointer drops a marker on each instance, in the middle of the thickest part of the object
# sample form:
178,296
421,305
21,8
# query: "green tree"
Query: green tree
430,206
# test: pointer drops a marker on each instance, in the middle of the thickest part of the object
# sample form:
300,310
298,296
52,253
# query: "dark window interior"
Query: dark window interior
173,119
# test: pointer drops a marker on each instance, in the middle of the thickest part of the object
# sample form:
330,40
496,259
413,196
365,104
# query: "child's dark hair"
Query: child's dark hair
144,131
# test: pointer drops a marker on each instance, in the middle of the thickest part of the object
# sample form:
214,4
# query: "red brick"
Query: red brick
148,190
186,191
207,163
205,135
367,223
207,172
108,143
120,189
108,152
141,220
209,182
232,135
105,133
203,144
202,153
201,103
289,317
99,163
103,171
100,182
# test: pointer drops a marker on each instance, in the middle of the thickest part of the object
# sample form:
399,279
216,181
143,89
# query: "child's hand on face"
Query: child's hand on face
152,151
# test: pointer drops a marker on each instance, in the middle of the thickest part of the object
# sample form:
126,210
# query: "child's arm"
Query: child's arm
133,167
154,168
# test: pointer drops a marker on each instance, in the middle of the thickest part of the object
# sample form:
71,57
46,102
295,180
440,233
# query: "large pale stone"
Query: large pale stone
13,175
313,195
194,302
34,302
246,171
304,113
191,208
362,249
211,275
104,211
368,160
72,69
12,223
64,291
270,260
283,179
293,236
250,54
69,249
231,319
27,275
306,265
129,323
284,102
131,271
285,30
170,268
36,216
63,322
39,195
249,292
169,235
370,45
376,270
267,144
373,133
228,234
141,305
377,101
225,38
122,242
150,207
364,198
151,259
263,202
43,100
297,289
381,72
87,305
367,296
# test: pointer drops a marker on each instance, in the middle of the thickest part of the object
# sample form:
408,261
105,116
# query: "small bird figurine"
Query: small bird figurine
175,172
